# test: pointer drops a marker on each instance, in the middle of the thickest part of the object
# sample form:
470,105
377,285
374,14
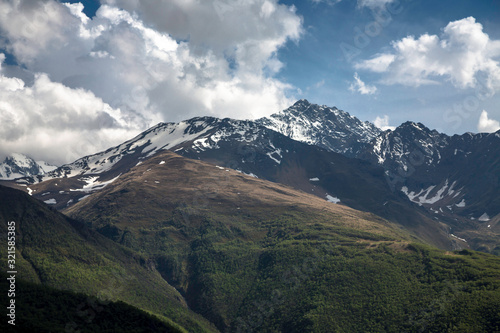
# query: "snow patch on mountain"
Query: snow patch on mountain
275,155
84,197
424,196
484,218
462,239
92,184
166,136
45,167
248,174
332,199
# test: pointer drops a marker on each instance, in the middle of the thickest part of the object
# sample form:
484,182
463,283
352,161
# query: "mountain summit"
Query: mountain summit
442,188
327,127
19,165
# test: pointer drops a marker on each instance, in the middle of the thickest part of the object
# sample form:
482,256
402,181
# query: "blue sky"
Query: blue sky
99,72
319,67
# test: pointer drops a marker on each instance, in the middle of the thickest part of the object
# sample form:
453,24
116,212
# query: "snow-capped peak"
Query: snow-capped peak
18,165
327,127
21,160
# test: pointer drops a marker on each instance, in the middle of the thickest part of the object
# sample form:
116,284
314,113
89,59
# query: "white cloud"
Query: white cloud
373,3
166,61
463,55
32,26
328,2
361,87
487,125
50,120
383,123
249,31
361,3
379,64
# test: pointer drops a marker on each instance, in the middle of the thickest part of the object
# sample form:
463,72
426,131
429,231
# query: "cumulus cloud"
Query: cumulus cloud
383,123
487,125
361,87
145,63
247,33
379,64
50,120
463,55
219,24
33,26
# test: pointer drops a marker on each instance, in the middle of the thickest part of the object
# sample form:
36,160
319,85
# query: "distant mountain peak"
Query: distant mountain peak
302,102
418,130
327,127
18,165
412,124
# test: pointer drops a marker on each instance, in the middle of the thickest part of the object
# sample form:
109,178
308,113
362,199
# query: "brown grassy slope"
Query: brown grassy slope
157,189
209,229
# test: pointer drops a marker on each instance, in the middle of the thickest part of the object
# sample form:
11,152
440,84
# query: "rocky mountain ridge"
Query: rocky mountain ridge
19,165
452,180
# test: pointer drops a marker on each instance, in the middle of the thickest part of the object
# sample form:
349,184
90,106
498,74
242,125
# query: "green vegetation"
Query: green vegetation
58,252
256,257
278,271
349,289
42,309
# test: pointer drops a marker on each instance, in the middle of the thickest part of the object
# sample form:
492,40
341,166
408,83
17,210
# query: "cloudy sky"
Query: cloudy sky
79,77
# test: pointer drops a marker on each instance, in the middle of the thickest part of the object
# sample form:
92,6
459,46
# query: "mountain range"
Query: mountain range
442,188
454,178
205,248
309,220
